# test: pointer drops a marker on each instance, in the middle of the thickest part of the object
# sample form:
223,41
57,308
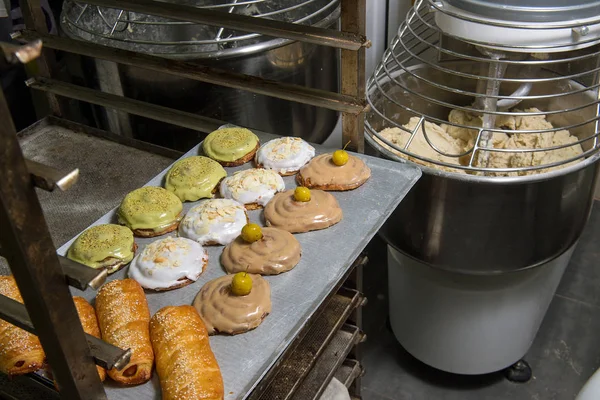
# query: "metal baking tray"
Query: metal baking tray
105,174
327,256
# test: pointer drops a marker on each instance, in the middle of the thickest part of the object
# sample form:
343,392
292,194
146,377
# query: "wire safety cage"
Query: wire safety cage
462,107
159,35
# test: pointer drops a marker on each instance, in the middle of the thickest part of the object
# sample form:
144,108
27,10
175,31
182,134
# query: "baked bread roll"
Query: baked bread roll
185,363
123,316
20,351
89,321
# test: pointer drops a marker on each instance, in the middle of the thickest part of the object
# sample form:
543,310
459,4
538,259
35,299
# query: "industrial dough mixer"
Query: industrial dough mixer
498,104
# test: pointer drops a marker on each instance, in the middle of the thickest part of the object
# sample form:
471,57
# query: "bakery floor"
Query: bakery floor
564,355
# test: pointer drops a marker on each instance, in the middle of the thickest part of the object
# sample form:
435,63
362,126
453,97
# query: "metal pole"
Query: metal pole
285,91
353,128
27,246
353,73
34,18
355,281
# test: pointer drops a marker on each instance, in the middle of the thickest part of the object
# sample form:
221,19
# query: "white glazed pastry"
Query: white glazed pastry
252,187
284,155
169,263
214,222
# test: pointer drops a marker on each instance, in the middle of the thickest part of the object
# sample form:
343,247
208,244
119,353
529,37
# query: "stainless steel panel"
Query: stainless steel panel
296,295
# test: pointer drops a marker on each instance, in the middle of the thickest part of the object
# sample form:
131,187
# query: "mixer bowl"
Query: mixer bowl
486,225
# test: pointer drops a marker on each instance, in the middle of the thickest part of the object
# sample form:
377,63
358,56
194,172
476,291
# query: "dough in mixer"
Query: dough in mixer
419,145
456,140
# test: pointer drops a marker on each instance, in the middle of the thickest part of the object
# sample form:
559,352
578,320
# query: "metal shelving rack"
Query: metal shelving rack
44,278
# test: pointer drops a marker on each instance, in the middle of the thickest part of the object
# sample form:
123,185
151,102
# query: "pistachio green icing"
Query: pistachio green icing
194,178
229,144
100,242
149,207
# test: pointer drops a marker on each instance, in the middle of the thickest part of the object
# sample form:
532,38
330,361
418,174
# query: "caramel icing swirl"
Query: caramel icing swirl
322,173
320,212
224,312
278,251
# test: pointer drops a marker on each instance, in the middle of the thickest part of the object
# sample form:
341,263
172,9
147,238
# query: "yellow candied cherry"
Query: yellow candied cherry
251,233
302,194
340,157
241,284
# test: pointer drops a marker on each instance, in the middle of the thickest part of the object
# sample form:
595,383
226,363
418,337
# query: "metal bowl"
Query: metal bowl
276,59
487,225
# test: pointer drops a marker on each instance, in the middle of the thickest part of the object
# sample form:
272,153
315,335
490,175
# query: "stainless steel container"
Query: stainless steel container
471,222
276,59
486,225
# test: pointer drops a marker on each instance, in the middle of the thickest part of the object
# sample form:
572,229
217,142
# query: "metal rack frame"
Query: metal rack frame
42,276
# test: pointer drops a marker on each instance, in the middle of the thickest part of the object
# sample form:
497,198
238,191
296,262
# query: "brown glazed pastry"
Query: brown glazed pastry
124,320
89,321
20,351
322,173
285,212
278,251
224,312
185,363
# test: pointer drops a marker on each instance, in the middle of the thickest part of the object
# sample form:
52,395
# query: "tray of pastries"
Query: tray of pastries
218,262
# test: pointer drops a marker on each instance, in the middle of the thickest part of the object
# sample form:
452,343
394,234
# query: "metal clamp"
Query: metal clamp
49,178
81,276
23,54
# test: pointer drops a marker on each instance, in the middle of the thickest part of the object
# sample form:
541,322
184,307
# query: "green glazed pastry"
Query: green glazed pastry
194,178
150,211
231,146
107,246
